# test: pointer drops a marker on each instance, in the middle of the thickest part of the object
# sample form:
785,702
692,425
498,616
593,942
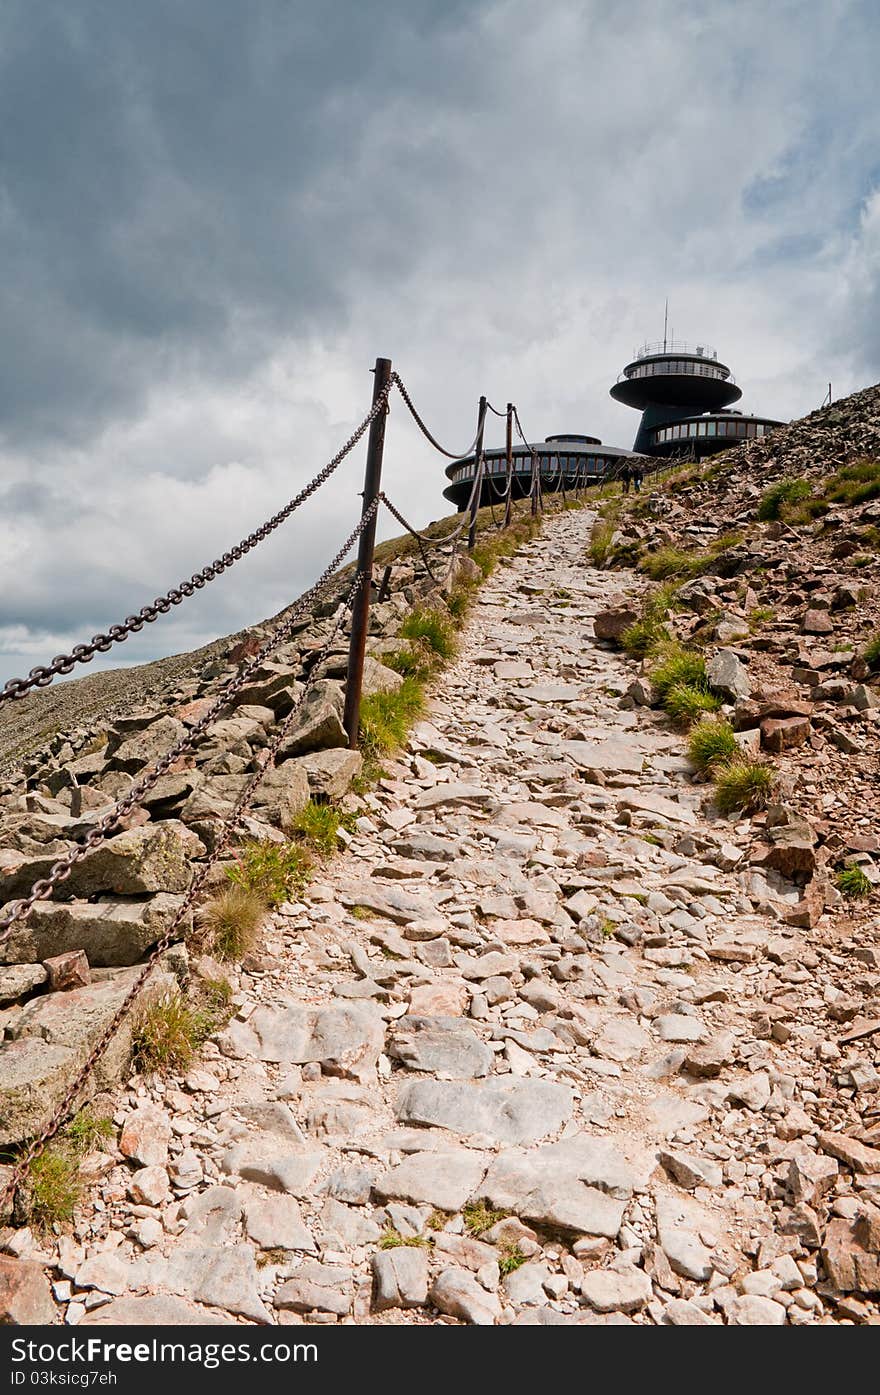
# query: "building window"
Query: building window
710,428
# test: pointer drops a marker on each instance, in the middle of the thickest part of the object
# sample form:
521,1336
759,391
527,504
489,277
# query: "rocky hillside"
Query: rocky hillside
768,555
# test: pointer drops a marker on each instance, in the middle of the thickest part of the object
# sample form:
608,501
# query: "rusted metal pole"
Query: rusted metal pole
478,457
509,443
360,617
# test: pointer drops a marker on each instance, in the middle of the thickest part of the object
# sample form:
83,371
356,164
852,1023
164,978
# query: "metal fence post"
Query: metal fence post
509,446
478,458
360,617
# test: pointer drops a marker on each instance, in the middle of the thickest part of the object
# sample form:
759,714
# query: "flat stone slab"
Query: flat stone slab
510,1111
455,794
153,1310
445,1046
551,692
344,1040
611,757
275,1163
444,1178
548,1194
387,901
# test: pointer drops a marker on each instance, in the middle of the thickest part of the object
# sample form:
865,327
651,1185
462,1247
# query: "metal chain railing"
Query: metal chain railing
227,829
42,676
61,870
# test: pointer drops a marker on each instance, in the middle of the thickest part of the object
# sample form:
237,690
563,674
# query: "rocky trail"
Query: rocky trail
539,1047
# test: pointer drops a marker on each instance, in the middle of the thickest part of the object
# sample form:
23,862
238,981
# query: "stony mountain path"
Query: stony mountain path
529,982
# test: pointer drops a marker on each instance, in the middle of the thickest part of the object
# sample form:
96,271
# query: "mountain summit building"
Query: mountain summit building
685,395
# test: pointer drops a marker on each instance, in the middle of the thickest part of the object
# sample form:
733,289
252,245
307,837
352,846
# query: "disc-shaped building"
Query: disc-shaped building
685,395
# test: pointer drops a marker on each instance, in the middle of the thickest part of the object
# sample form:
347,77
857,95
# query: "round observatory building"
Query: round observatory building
568,460
684,394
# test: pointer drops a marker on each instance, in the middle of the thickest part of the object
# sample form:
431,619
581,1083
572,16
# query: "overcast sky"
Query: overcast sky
215,214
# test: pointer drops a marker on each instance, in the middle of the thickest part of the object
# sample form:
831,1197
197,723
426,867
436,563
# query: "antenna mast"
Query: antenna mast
665,318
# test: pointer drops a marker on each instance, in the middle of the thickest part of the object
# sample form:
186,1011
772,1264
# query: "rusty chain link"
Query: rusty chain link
62,869
228,827
42,676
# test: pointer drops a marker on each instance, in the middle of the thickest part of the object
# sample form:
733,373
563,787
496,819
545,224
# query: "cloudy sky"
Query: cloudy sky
215,214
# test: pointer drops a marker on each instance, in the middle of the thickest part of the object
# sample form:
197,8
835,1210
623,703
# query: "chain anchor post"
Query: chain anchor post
508,441
360,614
478,462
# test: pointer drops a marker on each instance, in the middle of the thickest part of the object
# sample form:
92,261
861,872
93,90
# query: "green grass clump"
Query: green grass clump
387,717
686,704
432,630
761,615
53,1188
318,825
459,602
667,562
677,667
168,1031
600,541
275,872
854,484
871,652
88,1132
232,920
53,1185
643,637
745,785
787,491
478,1217
509,1258
852,883
391,1239
712,743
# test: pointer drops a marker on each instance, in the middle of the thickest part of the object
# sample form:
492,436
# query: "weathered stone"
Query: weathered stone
612,757
155,740
224,1278
445,1178
853,1154
277,1163
680,1224
455,794
330,772
400,1278
512,1111
617,1290
155,1310
275,1222
19,980
318,724
457,1293
392,902
344,1040
784,733
322,1288
579,1185
68,970
140,861
445,1046
283,792
691,1170
614,622
110,932
25,1298
728,676
145,1136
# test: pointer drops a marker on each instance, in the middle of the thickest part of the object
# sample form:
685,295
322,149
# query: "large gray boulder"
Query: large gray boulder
138,862
318,723
728,676
144,746
112,932
329,773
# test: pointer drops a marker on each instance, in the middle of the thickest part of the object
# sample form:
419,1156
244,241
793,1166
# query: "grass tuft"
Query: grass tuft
391,1239
275,872
787,491
678,667
232,919
744,785
510,1257
168,1032
852,883
712,743
318,826
432,630
387,717
871,652
478,1217
686,704
599,547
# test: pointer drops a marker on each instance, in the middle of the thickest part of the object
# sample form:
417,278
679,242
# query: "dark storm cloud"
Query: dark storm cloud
173,171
